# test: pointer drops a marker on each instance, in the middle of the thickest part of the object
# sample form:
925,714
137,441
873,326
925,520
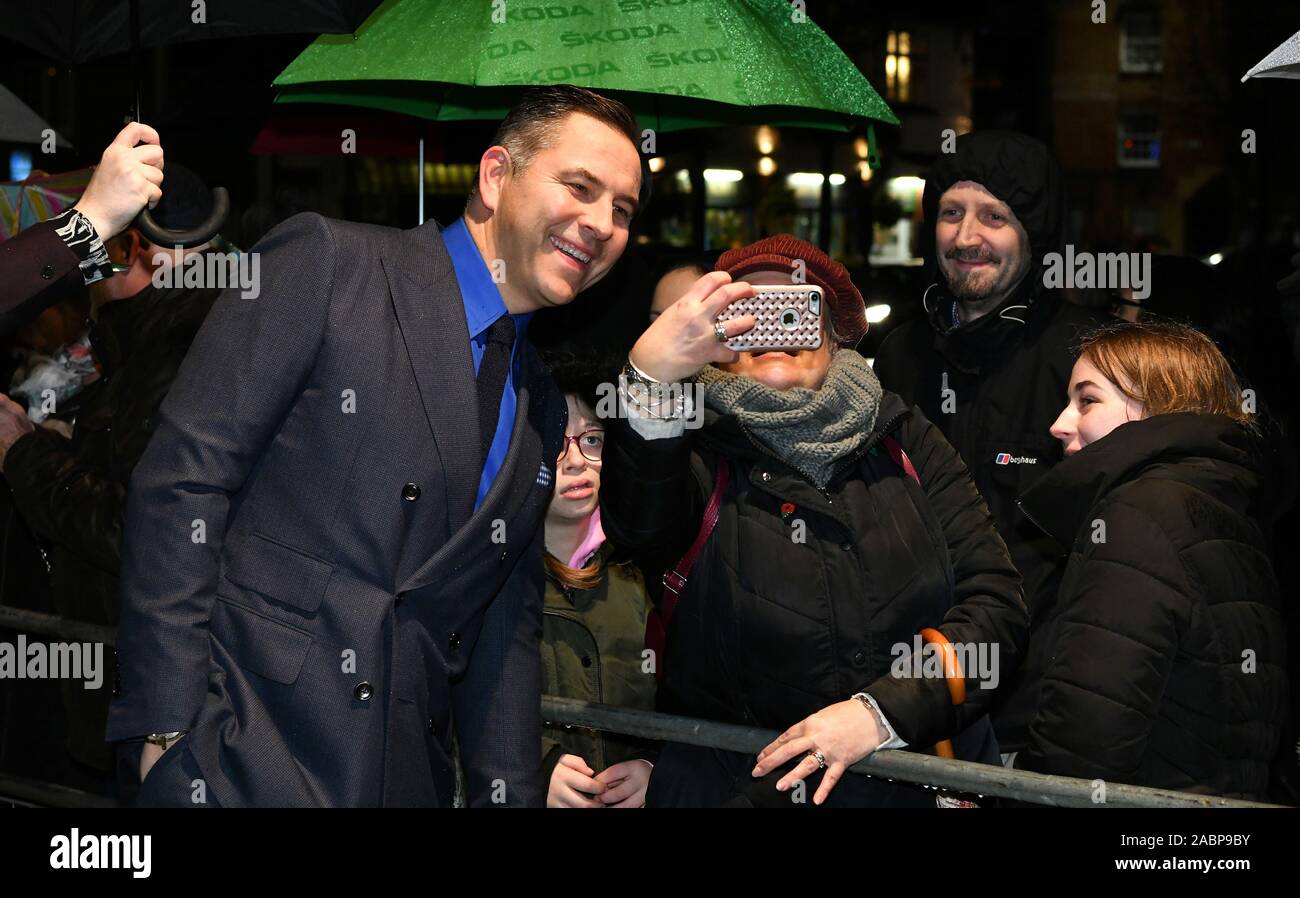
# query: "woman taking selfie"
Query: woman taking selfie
593,619
822,556
1161,662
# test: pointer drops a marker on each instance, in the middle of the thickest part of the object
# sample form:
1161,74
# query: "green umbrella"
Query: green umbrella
677,63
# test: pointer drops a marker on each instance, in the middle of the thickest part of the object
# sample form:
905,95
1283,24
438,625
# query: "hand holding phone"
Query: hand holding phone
789,317
684,338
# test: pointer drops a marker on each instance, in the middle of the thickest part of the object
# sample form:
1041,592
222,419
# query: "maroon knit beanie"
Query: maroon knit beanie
779,253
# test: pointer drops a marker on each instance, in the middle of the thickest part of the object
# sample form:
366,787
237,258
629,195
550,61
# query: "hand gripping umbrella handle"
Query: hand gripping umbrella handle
952,674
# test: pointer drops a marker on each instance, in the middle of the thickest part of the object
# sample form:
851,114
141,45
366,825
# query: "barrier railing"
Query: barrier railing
960,776
942,773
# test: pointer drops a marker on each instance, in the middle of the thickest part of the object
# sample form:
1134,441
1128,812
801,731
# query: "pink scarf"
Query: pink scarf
590,544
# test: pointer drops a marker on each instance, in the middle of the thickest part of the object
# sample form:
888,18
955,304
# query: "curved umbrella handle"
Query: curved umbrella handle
160,236
952,675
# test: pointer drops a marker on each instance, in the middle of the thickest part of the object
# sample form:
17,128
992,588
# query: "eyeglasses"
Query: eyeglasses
591,443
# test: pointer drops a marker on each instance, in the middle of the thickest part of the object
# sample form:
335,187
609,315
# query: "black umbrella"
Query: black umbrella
77,31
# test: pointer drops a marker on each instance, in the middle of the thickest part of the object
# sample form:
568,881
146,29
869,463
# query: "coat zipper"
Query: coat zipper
844,465
1033,520
600,686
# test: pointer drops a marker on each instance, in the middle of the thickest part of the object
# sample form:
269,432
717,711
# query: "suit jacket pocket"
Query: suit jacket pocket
279,572
258,643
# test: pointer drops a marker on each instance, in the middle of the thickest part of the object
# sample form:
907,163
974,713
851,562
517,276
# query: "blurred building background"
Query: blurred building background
1145,112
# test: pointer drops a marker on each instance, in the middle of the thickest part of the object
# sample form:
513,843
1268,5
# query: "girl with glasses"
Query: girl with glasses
593,619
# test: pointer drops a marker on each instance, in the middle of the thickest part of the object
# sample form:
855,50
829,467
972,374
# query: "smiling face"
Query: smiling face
562,222
983,250
577,478
1096,407
781,369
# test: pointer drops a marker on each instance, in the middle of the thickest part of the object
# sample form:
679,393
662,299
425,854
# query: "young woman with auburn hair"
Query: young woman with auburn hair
1161,663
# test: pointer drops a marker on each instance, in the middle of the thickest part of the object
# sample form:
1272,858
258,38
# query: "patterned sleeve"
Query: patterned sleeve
80,236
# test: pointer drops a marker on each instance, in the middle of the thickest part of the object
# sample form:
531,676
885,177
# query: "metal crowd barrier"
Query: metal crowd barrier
959,776
941,773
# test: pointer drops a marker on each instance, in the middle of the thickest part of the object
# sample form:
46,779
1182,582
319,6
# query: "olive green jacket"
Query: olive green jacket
592,650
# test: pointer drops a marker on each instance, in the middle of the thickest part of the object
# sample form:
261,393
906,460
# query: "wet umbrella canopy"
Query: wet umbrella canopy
1283,62
677,65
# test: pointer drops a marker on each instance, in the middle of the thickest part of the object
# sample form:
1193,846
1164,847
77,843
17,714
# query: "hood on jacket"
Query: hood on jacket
1213,453
1021,172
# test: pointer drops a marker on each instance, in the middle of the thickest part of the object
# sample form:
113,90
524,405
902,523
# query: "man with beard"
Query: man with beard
990,360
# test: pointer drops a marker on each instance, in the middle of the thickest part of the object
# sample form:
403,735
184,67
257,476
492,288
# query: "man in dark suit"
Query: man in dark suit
333,557
51,260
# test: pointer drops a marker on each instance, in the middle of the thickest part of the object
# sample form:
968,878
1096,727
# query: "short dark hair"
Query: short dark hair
530,126
581,372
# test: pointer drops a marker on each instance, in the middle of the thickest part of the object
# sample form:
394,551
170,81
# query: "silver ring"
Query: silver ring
820,758
720,331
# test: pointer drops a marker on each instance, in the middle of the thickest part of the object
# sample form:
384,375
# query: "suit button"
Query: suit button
847,547
766,476
430,726
411,492
859,658
454,641
586,661
397,601
501,559
47,272
363,691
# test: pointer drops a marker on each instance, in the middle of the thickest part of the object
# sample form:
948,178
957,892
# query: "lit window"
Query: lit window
1139,40
898,66
1139,141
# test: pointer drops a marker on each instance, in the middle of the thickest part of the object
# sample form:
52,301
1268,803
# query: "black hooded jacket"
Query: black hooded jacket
1162,661
995,385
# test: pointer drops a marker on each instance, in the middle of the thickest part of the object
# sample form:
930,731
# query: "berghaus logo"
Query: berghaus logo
1006,458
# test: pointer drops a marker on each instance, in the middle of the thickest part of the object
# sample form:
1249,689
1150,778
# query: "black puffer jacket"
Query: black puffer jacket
1162,662
769,629
72,493
995,385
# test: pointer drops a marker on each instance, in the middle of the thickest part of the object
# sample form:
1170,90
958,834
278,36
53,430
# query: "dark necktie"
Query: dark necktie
492,372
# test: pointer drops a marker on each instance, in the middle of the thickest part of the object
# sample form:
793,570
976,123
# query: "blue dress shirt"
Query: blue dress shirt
483,306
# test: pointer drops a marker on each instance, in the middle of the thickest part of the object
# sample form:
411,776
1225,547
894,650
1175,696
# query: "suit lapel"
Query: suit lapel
431,315
526,478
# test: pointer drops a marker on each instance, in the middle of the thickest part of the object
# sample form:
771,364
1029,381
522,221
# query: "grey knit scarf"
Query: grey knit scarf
810,430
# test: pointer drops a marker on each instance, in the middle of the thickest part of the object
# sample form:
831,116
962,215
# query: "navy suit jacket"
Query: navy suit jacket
306,585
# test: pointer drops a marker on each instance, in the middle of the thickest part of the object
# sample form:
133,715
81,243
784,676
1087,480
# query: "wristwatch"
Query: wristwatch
649,396
165,740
